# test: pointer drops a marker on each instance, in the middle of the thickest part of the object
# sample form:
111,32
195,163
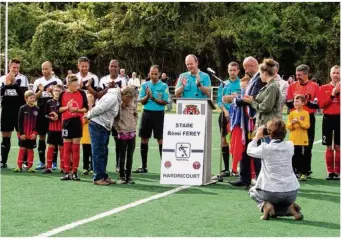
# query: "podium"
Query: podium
187,135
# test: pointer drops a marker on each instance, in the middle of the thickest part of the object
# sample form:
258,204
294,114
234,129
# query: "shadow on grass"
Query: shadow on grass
309,223
317,196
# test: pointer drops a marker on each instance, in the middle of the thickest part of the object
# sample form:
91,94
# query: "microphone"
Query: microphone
211,71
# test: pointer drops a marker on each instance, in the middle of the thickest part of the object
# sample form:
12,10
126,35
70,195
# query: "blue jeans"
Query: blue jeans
99,147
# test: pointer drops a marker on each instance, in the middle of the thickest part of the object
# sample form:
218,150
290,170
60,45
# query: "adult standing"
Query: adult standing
267,102
194,83
122,79
283,85
43,88
84,75
329,101
13,87
255,84
101,120
153,95
311,91
134,80
228,89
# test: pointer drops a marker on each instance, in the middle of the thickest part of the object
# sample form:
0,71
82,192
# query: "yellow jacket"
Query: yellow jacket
85,133
299,130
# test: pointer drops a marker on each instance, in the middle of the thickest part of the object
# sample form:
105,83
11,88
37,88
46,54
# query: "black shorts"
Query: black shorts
42,124
55,138
30,144
331,123
152,121
9,121
223,120
72,128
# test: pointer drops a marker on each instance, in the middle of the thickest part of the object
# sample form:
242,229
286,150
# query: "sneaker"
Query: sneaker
40,166
110,181
117,169
337,177
46,171
253,182
122,181
234,174
3,165
330,176
54,166
225,173
18,170
303,177
65,177
75,177
85,172
31,170
130,181
91,172
309,175
24,166
141,170
101,182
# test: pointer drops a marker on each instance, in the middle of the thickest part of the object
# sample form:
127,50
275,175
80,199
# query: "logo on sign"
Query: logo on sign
183,150
196,165
191,110
167,164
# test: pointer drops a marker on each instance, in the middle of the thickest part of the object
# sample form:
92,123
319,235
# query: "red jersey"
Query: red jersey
78,99
27,120
53,105
330,105
310,90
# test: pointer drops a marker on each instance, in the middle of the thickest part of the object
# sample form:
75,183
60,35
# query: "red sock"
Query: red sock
329,160
337,162
21,157
29,158
66,156
49,156
61,157
75,156
253,174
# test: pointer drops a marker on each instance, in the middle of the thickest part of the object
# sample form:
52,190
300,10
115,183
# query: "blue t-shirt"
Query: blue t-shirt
190,89
229,88
159,91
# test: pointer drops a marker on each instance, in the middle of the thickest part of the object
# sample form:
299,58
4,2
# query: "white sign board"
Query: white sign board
183,149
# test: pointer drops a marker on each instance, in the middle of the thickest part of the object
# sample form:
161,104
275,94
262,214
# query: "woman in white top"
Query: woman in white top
277,186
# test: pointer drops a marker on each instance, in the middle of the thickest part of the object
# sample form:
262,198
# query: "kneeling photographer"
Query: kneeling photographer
277,186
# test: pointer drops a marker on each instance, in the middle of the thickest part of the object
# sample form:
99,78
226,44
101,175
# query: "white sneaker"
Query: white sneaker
24,166
253,182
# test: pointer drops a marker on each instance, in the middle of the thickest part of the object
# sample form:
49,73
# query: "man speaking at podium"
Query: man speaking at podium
194,83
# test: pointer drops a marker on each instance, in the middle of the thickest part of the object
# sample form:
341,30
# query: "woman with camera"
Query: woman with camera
277,186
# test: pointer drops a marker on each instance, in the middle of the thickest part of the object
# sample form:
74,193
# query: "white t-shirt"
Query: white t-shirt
122,81
104,81
46,84
134,81
85,79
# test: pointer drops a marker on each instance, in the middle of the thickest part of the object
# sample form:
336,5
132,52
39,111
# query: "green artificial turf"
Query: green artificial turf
36,203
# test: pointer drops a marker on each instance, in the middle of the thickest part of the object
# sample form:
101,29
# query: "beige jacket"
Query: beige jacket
127,119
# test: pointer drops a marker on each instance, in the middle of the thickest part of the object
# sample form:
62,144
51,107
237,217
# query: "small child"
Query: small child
125,125
55,129
237,141
27,124
298,123
85,141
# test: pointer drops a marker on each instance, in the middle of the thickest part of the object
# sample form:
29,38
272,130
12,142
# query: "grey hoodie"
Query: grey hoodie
106,109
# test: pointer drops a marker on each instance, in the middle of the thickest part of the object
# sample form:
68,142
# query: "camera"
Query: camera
265,132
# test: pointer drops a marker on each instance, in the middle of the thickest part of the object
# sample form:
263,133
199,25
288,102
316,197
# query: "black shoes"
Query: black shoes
238,184
141,170
333,176
75,177
3,165
46,171
65,177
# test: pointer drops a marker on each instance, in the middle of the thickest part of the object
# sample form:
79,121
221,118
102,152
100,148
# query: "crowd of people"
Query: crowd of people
85,110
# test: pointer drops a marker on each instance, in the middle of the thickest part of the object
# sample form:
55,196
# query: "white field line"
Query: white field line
110,212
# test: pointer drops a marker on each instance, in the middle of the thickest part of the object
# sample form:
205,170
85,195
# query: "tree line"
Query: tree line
142,34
